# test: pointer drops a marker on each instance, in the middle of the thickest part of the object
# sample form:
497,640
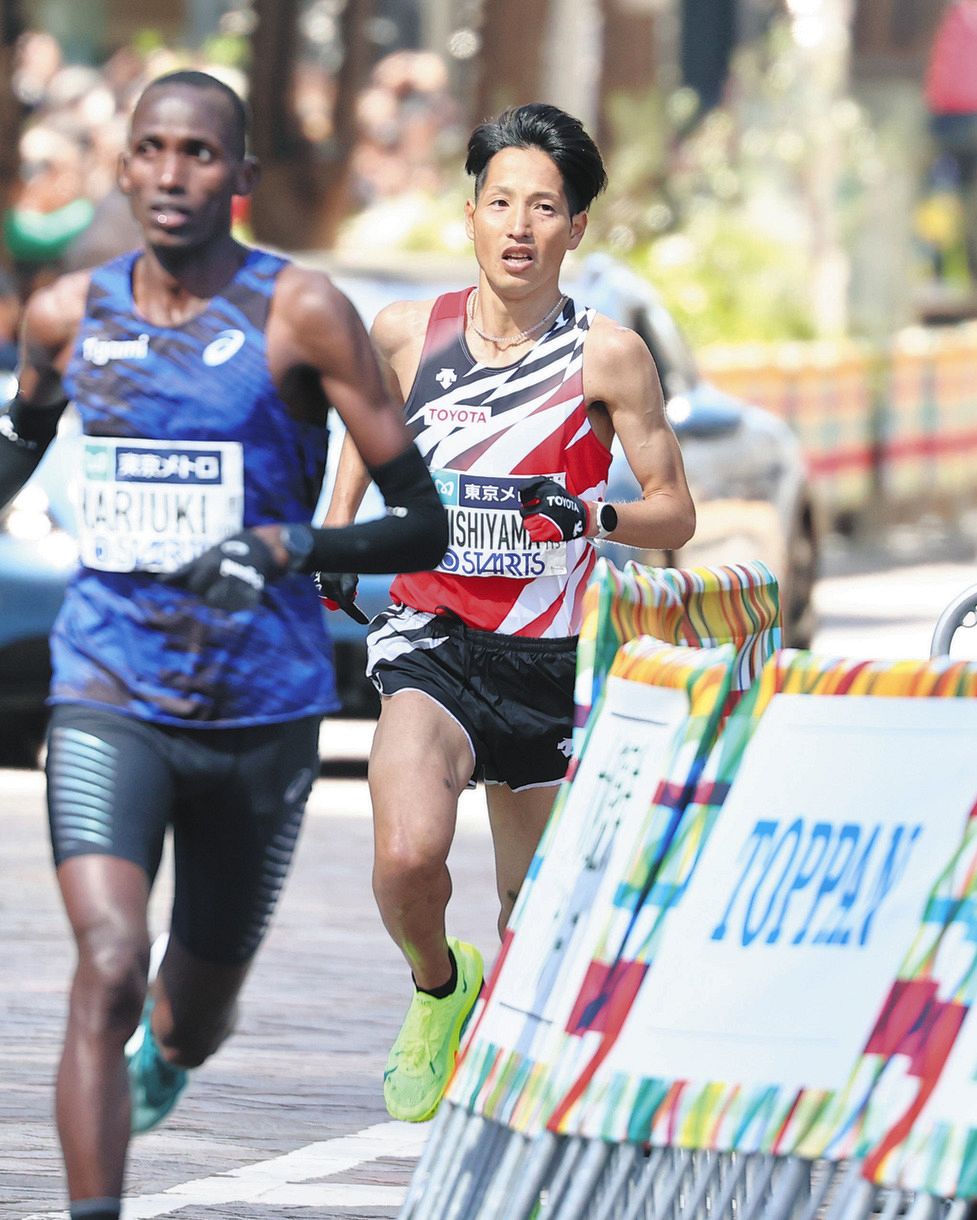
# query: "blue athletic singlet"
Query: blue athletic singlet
186,441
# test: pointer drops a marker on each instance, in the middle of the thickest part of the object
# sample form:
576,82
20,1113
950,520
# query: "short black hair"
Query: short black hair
554,132
191,79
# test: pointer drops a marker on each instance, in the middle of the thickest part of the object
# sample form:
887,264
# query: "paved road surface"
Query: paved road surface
322,1006
287,1122
869,608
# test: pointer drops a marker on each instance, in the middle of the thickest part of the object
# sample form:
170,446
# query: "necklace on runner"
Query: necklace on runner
504,341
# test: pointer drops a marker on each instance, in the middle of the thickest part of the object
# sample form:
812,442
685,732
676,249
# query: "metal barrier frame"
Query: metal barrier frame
955,616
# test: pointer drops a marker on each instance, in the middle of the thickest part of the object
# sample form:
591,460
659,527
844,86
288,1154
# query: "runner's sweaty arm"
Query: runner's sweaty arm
412,536
28,423
313,327
337,587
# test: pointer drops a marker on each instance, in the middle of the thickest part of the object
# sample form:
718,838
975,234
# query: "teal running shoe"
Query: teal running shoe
154,1084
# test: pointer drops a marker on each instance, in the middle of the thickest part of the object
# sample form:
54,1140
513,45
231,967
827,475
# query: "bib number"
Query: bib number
486,536
152,506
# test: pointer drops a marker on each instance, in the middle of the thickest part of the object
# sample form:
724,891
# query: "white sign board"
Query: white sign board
775,963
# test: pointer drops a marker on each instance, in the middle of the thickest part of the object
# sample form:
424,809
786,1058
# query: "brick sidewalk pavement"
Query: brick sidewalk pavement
324,1002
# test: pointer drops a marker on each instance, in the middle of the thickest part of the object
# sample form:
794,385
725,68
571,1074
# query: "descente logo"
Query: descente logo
434,414
101,351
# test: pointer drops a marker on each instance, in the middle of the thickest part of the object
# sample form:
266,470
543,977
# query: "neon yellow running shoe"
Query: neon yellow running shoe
423,1056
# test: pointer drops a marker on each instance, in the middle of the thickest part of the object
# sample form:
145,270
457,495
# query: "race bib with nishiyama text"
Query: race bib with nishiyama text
152,506
486,533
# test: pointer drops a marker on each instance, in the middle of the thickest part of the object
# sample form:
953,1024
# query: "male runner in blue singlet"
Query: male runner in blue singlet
190,661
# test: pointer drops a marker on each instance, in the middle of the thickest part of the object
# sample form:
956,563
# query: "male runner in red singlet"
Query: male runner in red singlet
513,394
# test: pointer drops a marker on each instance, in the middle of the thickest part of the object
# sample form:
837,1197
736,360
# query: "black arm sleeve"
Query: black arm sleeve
411,537
25,433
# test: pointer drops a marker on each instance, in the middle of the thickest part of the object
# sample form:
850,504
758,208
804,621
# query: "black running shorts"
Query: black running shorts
233,797
512,695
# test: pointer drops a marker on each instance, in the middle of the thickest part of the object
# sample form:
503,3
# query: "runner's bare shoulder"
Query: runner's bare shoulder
305,296
54,313
400,325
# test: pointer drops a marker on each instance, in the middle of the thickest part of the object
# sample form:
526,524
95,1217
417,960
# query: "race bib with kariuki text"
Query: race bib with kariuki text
486,534
151,506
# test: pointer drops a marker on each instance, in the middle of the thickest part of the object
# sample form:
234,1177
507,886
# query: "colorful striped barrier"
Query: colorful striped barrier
746,959
660,711
928,444
827,392
736,604
926,969
888,431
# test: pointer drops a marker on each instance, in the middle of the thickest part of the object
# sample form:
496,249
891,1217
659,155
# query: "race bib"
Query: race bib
151,506
486,536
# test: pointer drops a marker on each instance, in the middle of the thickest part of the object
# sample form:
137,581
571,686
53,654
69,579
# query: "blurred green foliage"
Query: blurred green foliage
727,282
746,218
733,214
228,50
147,40
685,211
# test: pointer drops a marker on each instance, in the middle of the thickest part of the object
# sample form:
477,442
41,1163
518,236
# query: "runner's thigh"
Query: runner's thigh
109,787
235,831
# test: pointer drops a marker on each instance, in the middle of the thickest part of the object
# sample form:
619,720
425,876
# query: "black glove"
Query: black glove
231,575
337,591
550,513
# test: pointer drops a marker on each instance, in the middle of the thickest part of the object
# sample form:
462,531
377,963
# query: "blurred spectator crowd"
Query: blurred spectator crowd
408,125
66,211
74,121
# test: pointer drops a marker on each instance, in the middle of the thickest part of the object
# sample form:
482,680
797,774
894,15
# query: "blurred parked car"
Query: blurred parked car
744,466
37,556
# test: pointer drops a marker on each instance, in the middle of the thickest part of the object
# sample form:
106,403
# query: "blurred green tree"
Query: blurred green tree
304,191
628,67
513,34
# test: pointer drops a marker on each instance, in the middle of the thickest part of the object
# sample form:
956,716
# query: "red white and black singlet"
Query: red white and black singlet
484,432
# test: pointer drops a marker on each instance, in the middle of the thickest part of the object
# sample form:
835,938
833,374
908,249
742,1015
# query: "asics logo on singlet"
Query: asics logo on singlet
101,351
227,344
434,414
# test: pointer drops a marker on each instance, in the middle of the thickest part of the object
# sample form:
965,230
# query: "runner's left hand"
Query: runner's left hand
550,513
231,575
337,591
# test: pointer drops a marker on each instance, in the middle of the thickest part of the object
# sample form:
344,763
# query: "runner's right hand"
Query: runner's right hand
232,575
337,591
550,513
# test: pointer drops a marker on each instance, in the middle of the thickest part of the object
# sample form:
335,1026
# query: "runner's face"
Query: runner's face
521,224
179,170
